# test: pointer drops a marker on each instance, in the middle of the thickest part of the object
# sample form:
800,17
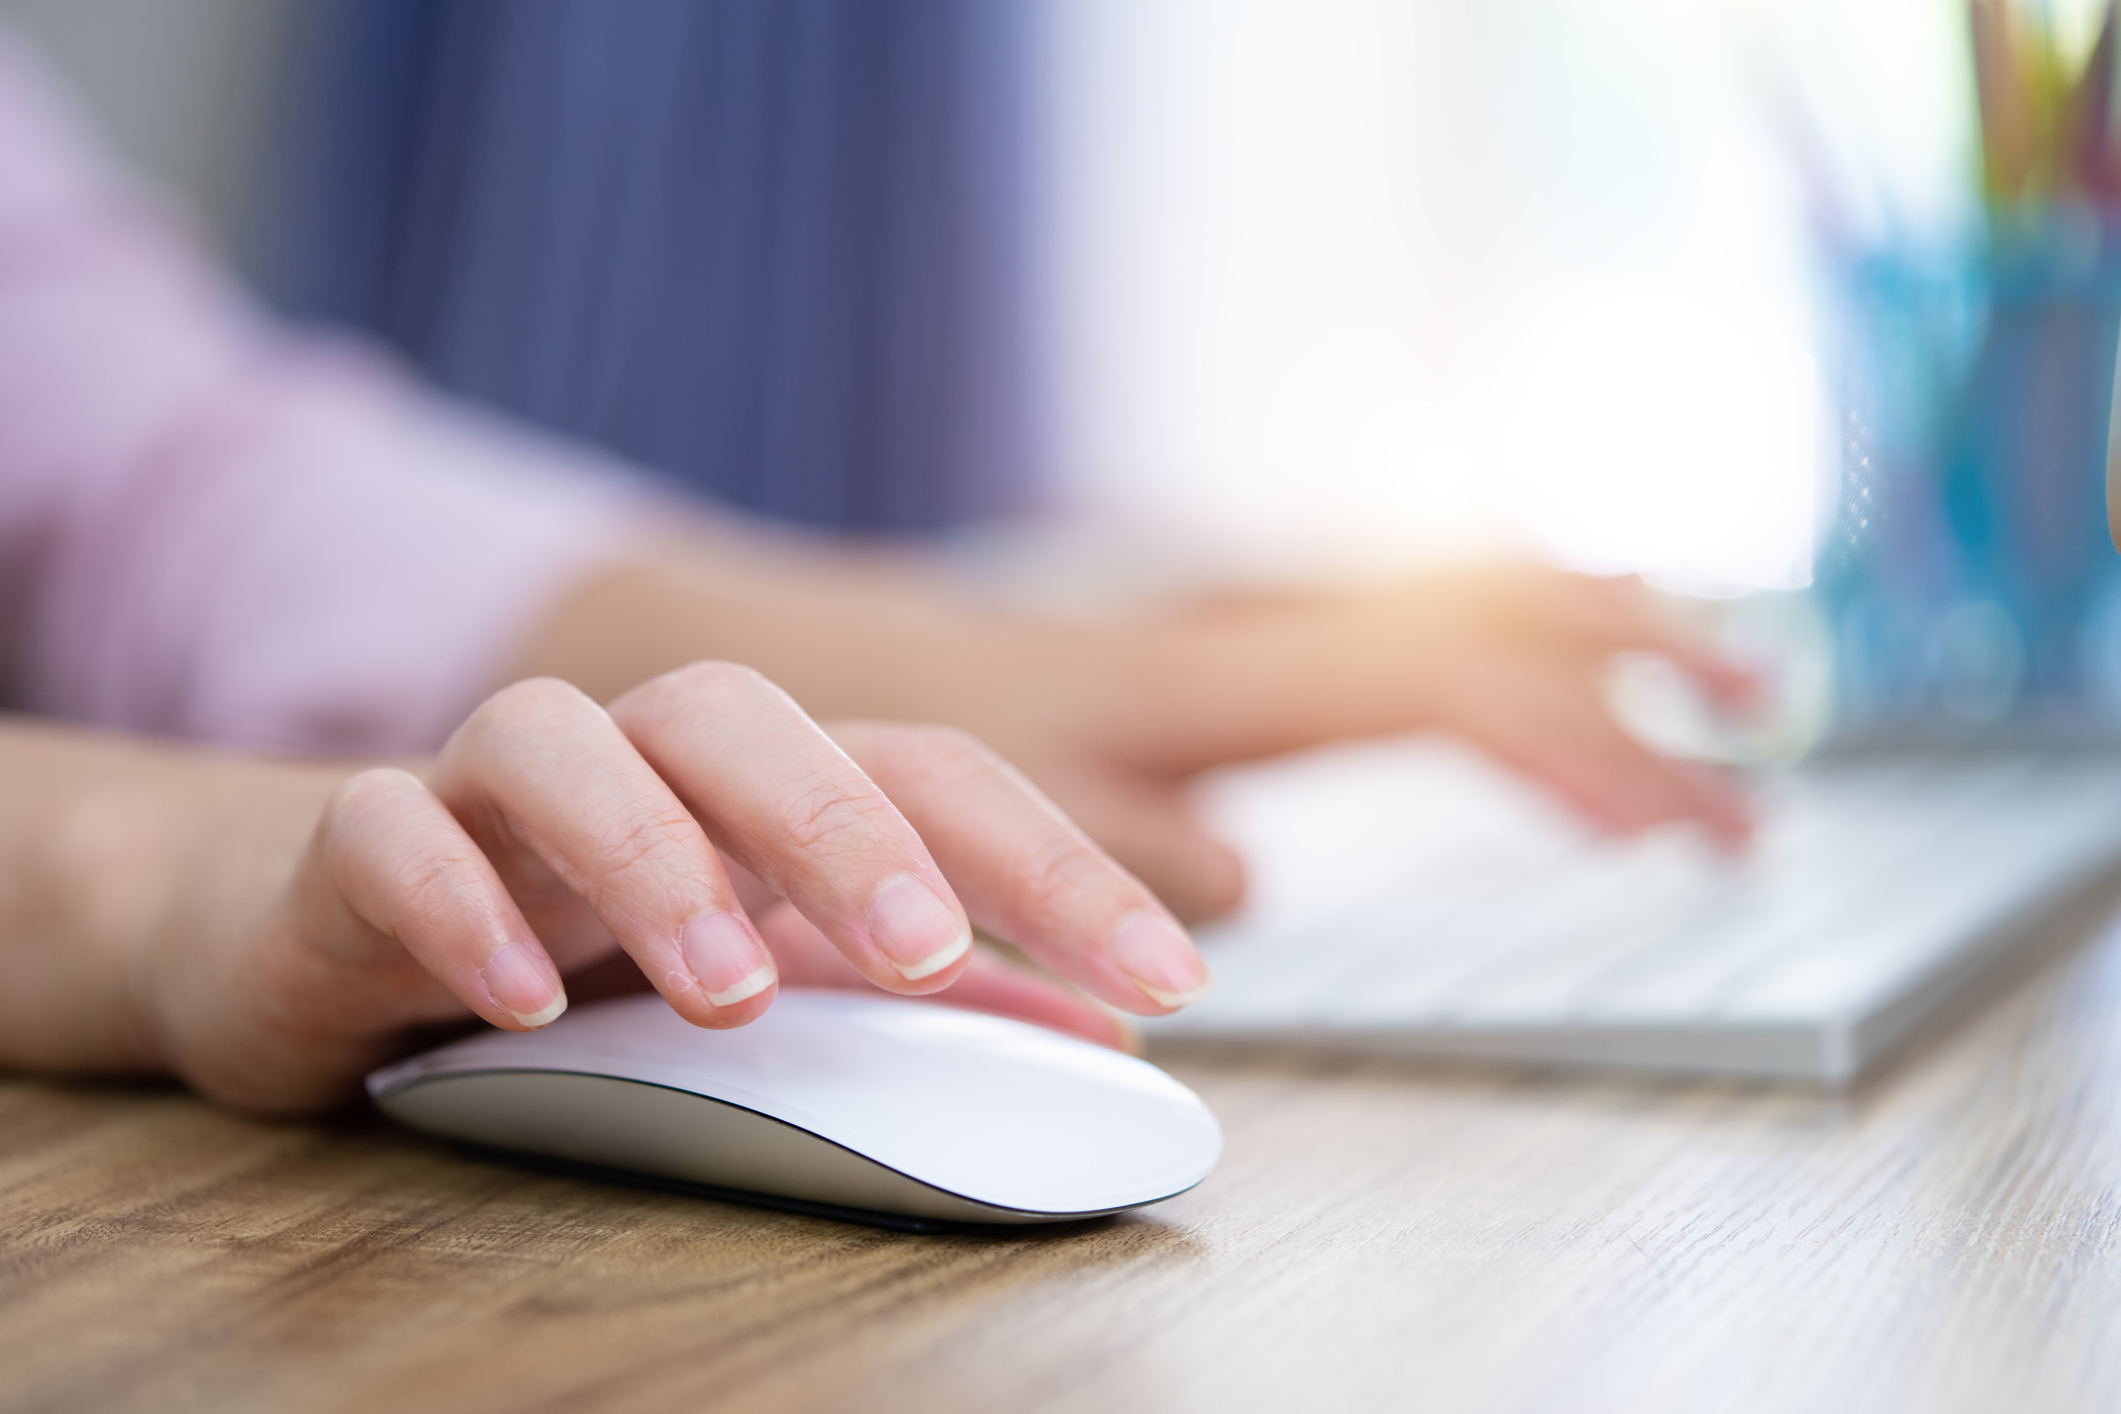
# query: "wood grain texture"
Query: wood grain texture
1380,1236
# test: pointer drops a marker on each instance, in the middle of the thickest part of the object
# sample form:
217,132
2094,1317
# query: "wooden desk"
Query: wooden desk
1380,1236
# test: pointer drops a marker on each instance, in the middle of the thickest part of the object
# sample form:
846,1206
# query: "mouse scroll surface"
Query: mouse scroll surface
838,1098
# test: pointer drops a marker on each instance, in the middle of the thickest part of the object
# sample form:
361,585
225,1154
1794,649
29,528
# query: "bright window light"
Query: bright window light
1353,285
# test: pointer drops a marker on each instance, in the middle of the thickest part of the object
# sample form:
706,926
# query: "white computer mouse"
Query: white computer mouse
831,1100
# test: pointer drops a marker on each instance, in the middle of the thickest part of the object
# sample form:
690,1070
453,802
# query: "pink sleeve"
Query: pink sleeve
213,530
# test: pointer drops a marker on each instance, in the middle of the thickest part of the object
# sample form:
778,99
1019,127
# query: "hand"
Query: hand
704,827
1511,660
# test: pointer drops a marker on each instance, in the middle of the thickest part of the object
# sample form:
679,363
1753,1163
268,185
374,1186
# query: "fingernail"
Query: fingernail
1158,957
726,957
915,931
524,985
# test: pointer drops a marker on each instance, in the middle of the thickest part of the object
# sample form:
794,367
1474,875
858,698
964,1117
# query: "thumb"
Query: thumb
1148,825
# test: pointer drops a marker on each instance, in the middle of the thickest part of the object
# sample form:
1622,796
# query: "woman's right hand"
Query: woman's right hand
702,833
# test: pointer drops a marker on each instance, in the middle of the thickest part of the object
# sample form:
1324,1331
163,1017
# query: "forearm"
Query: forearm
847,634
114,852
887,636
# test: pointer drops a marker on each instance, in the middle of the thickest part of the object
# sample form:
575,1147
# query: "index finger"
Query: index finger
1618,614
542,773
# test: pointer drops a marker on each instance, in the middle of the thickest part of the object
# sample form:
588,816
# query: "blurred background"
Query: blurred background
1777,302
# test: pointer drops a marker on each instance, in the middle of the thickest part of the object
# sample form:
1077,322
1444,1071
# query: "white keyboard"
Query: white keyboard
1408,896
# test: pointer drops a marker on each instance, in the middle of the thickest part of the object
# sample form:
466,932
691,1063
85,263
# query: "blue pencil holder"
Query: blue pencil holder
1967,573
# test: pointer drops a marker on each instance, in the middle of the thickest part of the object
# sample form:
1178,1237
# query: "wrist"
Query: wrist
96,852
146,871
